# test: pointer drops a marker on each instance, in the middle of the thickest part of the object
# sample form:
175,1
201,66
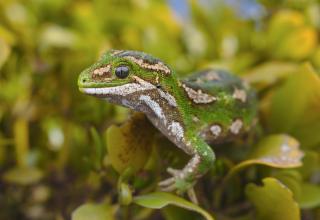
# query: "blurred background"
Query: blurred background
49,132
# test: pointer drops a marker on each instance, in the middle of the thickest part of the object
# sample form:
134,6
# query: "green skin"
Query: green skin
211,106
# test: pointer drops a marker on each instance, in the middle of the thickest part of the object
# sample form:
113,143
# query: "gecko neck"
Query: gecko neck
167,114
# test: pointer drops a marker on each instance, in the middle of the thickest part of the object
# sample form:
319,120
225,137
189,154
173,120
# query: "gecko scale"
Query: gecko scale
211,106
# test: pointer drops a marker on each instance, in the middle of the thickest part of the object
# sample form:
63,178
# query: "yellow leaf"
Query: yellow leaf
23,175
295,107
273,201
93,212
130,144
5,51
279,151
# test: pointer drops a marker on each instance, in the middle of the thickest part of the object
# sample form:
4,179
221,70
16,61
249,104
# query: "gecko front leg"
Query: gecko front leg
201,161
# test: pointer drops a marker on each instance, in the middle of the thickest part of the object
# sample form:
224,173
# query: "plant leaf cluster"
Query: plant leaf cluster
64,155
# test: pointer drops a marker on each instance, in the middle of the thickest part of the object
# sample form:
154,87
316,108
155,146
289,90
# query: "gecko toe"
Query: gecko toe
173,172
169,188
192,196
167,182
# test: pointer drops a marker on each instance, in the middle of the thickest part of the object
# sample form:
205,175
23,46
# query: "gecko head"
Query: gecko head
122,75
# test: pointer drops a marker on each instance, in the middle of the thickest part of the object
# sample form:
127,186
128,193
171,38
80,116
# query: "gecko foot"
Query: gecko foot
177,182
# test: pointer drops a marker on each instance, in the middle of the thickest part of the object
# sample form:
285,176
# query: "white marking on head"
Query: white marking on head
215,130
236,126
102,70
115,52
159,66
154,106
198,96
240,94
176,130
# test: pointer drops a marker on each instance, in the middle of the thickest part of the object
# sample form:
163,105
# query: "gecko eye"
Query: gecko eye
122,72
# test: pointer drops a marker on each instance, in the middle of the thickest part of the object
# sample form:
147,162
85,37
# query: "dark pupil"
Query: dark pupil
122,72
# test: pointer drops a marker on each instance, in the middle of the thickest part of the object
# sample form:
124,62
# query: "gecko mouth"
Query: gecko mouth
122,90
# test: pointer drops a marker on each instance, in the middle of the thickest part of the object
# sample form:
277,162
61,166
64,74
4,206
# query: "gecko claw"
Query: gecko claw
192,196
166,182
169,188
173,172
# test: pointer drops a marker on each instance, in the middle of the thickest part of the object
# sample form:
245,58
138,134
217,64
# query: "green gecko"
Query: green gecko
211,106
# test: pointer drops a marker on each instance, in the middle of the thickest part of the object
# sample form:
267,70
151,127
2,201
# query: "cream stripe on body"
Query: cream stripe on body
198,96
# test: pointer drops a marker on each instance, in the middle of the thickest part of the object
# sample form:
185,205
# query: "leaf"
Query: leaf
311,164
7,36
273,200
288,29
159,200
23,175
99,147
93,212
57,36
21,139
130,144
292,179
305,41
5,51
125,194
280,151
176,213
310,196
269,73
295,107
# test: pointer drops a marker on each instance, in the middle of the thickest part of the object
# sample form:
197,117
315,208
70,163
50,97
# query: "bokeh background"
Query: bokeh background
53,138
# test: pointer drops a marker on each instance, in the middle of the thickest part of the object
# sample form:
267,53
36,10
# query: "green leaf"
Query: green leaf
21,139
130,144
310,196
99,147
273,201
280,151
158,200
292,179
176,213
91,211
311,164
125,194
23,175
295,107
5,51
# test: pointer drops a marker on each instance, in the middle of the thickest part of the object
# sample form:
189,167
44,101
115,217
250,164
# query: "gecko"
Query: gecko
208,107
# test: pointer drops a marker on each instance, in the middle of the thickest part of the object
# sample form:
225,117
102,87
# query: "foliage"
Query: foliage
65,155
